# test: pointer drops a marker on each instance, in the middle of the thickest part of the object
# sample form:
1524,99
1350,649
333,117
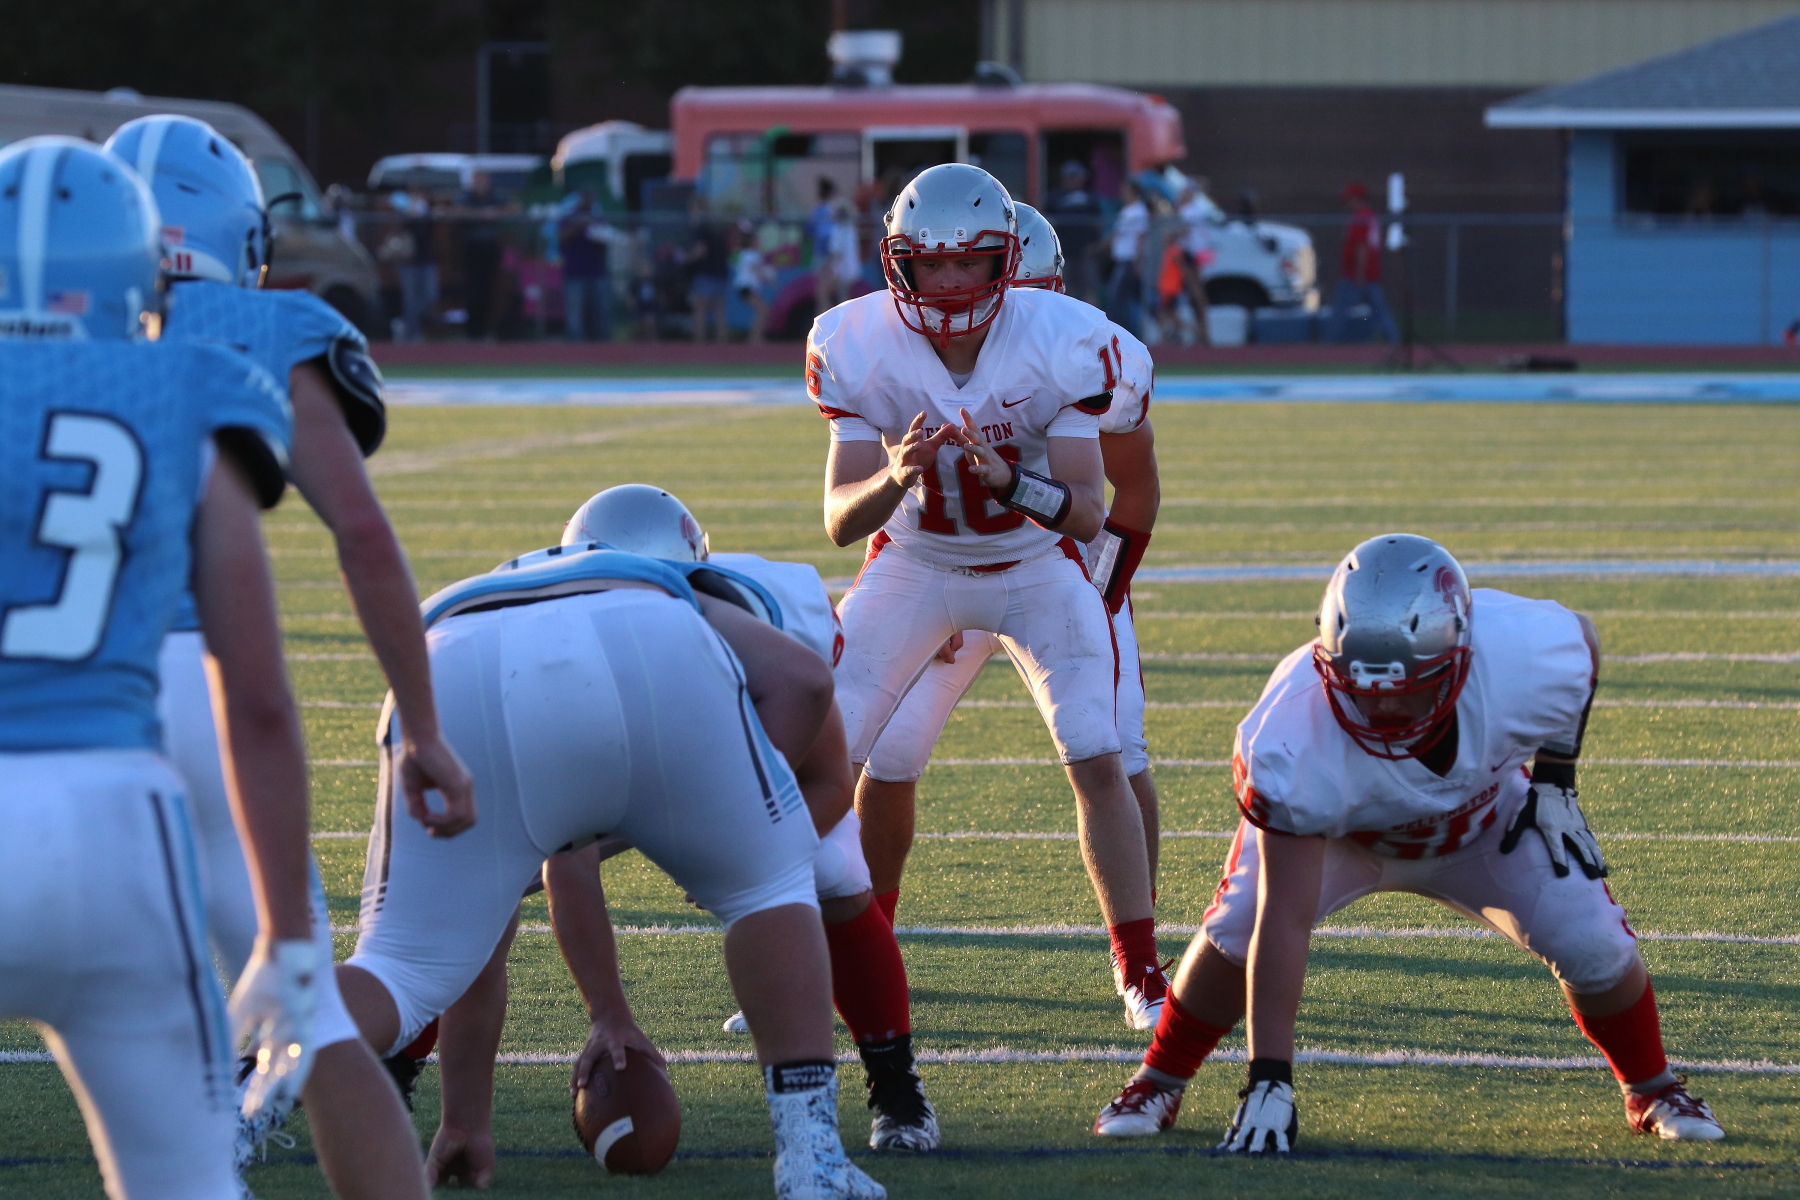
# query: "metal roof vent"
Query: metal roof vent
863,57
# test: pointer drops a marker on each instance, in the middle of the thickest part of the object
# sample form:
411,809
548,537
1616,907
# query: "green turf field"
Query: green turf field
1280,483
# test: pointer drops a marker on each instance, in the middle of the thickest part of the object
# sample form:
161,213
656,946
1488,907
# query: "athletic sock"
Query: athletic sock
1181,1044
1134,947
1631,1040
888,902
868,977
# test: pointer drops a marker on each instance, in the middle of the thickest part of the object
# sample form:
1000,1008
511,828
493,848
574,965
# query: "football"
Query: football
630,1120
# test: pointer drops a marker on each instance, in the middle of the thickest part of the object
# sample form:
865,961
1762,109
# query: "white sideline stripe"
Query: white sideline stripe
361,656
1783,656
1246,705
1019,835
1004,1056
342,762
372,704
1611,614
1347,932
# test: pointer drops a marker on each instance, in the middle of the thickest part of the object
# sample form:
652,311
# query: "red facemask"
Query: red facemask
952,314
1398,736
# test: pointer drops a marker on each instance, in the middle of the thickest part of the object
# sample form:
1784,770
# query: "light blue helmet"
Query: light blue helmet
80,250
215,225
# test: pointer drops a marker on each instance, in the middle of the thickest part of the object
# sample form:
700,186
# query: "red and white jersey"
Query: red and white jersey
1297,771
1136,373
1047,369
807,613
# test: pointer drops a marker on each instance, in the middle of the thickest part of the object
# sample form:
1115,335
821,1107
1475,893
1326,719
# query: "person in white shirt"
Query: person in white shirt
1196,242
1125,289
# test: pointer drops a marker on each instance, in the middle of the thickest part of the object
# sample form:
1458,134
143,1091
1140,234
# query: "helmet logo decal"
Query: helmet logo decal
1446,584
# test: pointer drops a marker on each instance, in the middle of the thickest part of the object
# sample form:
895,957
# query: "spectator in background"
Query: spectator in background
1074,212
709,266
820,221
585,239
1125,286
750,274
1360,282
478,237
1196,244
418,269
1171,284
838,259
644,310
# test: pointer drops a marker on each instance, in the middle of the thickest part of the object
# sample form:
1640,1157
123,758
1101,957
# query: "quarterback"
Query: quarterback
889,781
216,247
965,418
1390,754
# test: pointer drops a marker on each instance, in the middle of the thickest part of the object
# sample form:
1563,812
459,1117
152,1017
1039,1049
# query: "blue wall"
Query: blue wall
1630,280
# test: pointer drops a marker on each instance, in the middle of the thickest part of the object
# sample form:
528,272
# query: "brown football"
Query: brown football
629,1120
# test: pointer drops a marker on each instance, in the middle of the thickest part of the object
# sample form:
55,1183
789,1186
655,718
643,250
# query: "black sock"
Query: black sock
895,1054
801,1075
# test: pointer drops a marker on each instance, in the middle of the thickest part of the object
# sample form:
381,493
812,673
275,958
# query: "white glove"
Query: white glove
1552,810
1265,1113
273,1005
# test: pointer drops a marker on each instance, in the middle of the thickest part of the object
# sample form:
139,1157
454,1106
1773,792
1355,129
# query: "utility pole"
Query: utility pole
484,92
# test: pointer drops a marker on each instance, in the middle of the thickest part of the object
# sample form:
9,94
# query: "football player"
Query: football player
128,468
596,693
216,245
868,974
889,781
1389,754
964,444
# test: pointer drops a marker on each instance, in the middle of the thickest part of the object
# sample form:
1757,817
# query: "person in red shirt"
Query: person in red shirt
1360,282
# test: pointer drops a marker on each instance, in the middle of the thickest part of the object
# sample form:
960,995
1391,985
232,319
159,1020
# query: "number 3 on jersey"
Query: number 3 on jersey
92,525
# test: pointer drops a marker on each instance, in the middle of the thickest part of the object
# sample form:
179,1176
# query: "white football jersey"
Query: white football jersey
1047,370
1136,373
1297,771
806,610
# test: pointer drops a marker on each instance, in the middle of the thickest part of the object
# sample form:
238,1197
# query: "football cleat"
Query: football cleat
1144,995
904,1118
735,1023
254,1133
1266,1120
1674,1115
404,1070
1141,1110
810,1163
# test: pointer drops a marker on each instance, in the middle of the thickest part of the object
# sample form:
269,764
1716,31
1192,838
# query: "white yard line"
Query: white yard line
1340,932
1782,656
1032,835
1611,614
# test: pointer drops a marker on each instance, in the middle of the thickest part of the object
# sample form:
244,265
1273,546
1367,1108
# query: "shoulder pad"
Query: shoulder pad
357,381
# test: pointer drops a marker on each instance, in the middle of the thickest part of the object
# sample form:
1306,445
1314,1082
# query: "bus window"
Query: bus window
1101,152
736,167
638,169
893,156
802,160
1001,155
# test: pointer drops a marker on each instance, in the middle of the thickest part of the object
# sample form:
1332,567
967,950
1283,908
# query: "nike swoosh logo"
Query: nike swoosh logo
1010,403
1493,769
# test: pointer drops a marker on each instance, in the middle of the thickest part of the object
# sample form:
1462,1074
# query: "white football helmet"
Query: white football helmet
639,519
950,211
1040,251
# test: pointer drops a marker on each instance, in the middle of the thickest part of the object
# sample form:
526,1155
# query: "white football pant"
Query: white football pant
618,712
1571,923
1046,614
184,704
906,743
103,944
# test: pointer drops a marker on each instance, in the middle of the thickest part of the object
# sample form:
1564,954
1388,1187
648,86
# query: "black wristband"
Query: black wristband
1557,774
1271,1070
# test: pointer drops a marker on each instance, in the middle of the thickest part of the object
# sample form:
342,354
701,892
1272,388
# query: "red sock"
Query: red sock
1134,946
1182,1041
424,1044
1631,1040
868,977
888,902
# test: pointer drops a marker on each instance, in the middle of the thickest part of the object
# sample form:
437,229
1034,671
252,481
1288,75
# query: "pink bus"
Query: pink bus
764,149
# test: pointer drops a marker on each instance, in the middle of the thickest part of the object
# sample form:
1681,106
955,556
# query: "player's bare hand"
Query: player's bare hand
984,460
429,764
916,452
617,1040
947,652
461,1155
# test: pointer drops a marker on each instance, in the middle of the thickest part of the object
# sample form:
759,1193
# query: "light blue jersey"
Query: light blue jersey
103,453
569,573
279,330
737,587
